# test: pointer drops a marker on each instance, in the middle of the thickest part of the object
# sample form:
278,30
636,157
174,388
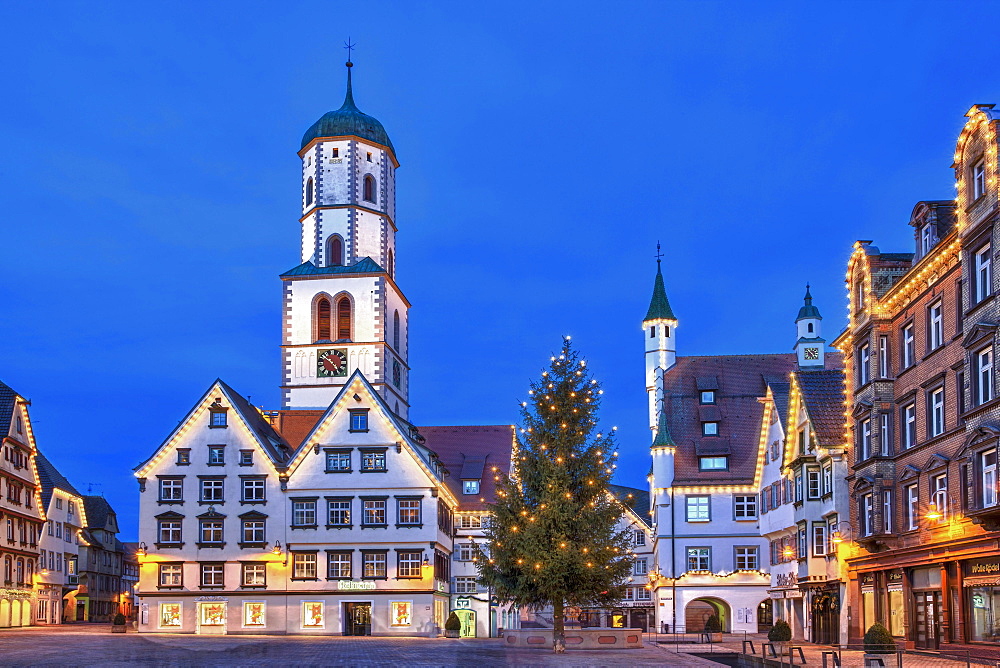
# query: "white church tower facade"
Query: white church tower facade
343,310
810,347
660,331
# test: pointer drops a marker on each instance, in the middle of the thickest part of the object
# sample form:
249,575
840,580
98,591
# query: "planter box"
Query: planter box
451,634
588,638
115,628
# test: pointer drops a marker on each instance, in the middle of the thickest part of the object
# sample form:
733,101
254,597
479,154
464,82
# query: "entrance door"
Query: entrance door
357,619
468,619
926,610
639,620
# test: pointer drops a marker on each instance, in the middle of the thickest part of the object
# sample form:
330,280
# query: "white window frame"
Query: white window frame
867,515
988,477
935,321
745,506
908,347
710,428
640,566
984,375
866,438
813,484
883,357
936,405
864,364
820,547
749,555
702,557
883,434
912,506
887,511
978,180
252,489
909,425
698,508
939,494
305,565
827,479
926,239
983,277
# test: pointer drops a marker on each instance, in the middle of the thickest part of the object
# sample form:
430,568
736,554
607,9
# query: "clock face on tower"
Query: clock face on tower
811,353
331,362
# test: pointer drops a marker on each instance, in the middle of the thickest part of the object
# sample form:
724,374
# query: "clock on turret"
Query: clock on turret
331,363
810,353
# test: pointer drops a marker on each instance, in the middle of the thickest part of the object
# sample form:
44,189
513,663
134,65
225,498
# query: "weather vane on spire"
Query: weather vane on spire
658,253
349,46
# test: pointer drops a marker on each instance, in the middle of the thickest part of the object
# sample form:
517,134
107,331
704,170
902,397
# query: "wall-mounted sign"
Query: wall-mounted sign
989,566
354,585
463,603
211,598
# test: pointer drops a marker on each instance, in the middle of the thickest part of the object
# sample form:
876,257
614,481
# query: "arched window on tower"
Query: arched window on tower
389,260
334,251
344,319
309,192
323,319
369,190
395,331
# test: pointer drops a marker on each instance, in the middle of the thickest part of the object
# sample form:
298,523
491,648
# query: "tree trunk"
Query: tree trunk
558,628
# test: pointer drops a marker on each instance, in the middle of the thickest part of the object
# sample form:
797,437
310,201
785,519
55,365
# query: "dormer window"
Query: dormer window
709,428
859,297
470,487
708,396
926,239
978,180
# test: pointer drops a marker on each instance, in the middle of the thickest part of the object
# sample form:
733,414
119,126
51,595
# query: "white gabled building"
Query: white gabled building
58,563
803,498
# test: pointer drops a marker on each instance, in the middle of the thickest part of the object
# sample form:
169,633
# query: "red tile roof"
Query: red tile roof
295,425
461,449
740,383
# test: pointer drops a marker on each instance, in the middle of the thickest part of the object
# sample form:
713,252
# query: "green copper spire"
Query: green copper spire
808,310
659,307
663,437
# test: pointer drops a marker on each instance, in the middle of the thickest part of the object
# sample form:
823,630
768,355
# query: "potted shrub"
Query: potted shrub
452,626
878,641
780,634
118,623
713,627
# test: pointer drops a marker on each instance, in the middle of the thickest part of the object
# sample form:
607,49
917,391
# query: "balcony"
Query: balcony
986,516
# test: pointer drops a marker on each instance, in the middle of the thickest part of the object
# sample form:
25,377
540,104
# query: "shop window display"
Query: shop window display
213,614
253,613
985,603
170,615
401,613
312,614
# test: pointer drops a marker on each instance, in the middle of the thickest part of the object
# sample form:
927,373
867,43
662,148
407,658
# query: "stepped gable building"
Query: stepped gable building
59,562
711,416
919,353
334,514
802,498
21,511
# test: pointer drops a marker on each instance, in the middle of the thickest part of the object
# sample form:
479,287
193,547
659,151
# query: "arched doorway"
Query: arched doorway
4,613
765,616
699,610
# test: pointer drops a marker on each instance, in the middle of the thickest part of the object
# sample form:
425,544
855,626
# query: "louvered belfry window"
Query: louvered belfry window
323,319
344,318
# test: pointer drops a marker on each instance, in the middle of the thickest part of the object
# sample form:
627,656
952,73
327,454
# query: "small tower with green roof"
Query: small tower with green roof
810,348
660,331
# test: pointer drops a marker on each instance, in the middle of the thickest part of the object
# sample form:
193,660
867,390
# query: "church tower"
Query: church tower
660,331
810,348
342,308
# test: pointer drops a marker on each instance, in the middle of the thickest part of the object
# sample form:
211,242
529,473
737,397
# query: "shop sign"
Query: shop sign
894,576
868,580
989,566
793,593
463,603
777,594
785,579
211,598
355,585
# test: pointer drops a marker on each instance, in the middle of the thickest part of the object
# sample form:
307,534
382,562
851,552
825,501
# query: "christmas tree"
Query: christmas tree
554,538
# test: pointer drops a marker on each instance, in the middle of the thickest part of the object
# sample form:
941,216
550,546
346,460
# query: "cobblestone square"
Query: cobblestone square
96,646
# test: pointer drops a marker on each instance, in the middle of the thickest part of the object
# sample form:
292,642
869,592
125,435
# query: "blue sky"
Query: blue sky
150,189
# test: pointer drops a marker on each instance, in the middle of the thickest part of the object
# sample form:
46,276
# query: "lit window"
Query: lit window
713,463
254,575
373,460
171,575
939,494
470,487
697,508
373,565
912,501
408,564
338,512
338,461
183,456
374,513
408,511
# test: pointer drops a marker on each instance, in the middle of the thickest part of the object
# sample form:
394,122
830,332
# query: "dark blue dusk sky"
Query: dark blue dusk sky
150,189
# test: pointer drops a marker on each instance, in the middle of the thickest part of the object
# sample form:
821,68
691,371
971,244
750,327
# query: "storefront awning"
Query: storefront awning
981,580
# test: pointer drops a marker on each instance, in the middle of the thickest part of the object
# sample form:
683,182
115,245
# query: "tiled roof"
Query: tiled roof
781,388
457,446
364,266
97,509
635,498
741,382
823,395
295,425
8,399
274,444
50,478
659,305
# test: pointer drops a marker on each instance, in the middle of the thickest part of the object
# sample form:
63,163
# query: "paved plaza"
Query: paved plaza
93,645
